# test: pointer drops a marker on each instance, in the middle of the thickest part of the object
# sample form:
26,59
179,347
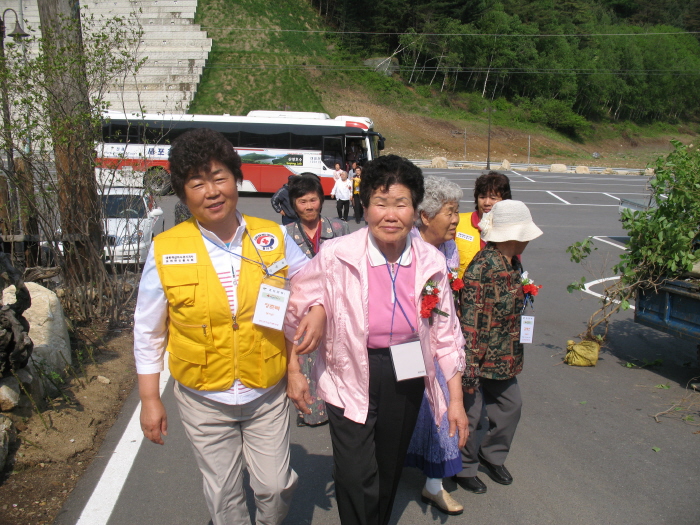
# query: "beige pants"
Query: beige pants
219,433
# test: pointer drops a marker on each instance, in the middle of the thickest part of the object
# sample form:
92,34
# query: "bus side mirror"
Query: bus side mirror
380,144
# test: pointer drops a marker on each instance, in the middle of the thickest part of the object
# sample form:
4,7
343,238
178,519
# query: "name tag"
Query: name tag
180,258
464,236
527,328
271,307
408,360
276,267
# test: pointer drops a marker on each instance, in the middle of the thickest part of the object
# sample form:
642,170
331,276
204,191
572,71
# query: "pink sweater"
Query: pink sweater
337,278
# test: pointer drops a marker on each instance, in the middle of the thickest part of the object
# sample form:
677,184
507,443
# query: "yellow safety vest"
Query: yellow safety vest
206,352
468,241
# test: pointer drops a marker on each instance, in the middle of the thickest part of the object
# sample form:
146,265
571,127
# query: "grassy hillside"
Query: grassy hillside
249,69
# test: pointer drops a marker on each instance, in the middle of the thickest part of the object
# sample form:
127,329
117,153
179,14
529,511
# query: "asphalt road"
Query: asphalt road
584,451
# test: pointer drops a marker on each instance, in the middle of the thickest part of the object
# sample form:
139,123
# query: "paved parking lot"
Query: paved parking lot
583,453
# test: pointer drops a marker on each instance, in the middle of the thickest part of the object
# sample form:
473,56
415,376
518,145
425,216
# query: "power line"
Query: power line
323,31
430,69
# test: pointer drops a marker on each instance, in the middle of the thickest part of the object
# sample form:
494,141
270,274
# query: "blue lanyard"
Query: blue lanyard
396,298
261,263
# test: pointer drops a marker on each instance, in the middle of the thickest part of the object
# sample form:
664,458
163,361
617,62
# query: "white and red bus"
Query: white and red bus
272,144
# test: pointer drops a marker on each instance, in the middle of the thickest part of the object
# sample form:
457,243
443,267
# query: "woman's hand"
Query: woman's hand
298,391
457,418
310,330
154,420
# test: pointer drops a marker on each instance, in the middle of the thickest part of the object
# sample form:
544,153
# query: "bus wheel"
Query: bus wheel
157,180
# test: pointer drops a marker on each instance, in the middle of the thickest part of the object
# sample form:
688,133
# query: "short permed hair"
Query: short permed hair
307,183
492,182
438,192
387,170
194,150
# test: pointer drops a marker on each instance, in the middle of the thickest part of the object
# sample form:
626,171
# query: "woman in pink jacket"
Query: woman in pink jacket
390,318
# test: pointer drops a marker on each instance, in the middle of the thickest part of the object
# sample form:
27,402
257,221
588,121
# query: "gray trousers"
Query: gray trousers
501,403
222,435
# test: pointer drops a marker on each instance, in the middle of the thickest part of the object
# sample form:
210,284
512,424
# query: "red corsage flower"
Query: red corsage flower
530,289
429,301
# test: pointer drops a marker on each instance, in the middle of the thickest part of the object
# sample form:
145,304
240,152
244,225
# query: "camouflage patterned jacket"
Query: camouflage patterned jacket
490,309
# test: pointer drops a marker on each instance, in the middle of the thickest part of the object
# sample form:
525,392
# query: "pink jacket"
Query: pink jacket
337,279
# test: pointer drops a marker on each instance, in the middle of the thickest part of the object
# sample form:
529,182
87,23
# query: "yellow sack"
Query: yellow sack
584,353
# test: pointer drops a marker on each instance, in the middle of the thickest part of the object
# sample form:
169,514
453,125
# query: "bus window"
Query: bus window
257,140
332,152
310,142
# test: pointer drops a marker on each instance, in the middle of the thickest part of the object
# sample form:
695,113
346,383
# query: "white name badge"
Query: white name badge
408,360
180,258
527,328
271,307
464,236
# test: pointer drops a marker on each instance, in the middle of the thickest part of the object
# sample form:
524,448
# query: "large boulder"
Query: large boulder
558,168
608,171
9,393
439,162
7,438
47,329
582,169
505,165
649,172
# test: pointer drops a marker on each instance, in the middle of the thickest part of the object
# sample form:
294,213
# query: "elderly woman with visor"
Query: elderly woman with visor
372,407
432,449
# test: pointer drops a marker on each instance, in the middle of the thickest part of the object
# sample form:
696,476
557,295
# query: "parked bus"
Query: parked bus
272,144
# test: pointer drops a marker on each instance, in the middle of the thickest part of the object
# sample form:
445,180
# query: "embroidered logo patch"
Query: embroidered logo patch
265,242
180,258
464,236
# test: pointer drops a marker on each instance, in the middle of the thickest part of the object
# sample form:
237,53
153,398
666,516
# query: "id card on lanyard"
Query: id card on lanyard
407,358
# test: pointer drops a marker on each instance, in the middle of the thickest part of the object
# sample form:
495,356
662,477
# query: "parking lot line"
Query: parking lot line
523,176
557,197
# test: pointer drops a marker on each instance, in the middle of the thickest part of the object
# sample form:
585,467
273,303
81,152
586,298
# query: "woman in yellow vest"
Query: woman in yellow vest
197,300
488,190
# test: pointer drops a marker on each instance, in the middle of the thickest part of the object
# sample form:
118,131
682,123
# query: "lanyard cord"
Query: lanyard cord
261,263
396,299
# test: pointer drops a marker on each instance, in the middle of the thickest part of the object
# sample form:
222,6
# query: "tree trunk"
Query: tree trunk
73,134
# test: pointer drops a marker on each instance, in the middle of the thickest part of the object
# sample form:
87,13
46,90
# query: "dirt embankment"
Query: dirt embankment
47,462
421,137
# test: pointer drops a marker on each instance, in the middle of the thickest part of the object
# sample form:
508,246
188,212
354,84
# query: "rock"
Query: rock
8,435
608,171
9,393
439,162
649,172
103,380
388,65
558,168
47,329
505,165
33,384
582,169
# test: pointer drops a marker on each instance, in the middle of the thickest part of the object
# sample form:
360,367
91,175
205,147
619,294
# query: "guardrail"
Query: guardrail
455,164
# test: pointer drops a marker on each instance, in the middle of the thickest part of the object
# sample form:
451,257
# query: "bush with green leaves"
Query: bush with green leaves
664,240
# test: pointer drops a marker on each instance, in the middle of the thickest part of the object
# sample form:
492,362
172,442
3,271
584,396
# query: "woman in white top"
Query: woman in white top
342,191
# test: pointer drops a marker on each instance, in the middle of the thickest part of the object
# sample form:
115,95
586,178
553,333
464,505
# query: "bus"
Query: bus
272,144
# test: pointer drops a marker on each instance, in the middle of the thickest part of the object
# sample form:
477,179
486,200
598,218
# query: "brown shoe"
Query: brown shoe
442,501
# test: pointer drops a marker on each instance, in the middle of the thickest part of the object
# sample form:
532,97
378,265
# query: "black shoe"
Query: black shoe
473,484
498,473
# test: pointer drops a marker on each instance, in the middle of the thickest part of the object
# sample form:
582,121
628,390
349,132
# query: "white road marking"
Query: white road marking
587,287
616,198
610,243
101,504
523,176
589,192
557,197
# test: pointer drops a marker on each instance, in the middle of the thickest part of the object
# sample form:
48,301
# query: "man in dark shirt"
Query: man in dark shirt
281,204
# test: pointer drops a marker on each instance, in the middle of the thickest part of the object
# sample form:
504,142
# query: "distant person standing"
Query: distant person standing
342,191
337,171
281,204
356,201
